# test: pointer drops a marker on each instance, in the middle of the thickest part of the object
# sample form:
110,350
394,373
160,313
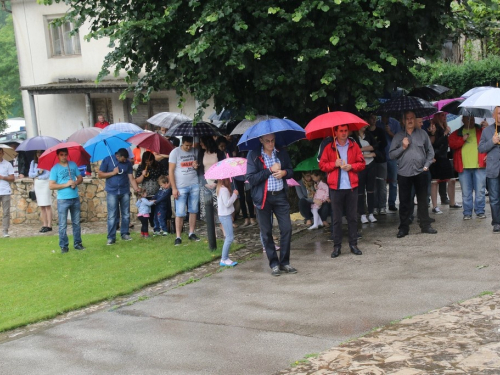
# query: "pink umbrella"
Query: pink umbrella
292,182
227,168
441,103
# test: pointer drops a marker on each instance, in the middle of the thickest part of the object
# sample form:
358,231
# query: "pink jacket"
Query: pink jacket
322,192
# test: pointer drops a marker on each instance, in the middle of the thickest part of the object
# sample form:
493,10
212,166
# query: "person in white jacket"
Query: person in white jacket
225,208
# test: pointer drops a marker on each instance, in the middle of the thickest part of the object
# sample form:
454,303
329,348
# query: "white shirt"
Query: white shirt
6,169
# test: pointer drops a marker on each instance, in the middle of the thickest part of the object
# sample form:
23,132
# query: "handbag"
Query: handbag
32,195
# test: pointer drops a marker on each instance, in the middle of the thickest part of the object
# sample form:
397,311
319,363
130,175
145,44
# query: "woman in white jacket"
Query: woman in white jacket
225,199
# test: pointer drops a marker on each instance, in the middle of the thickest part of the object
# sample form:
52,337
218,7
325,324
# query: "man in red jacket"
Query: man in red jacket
342,160
470,165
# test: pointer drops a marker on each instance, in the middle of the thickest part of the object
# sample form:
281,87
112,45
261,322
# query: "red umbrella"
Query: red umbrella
322,126
76,154
152,141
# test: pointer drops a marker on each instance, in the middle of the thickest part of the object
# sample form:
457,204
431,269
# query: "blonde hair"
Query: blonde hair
226,183
140,192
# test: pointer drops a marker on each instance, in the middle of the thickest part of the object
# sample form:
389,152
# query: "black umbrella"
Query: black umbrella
453,108
396,107
200,129
428,92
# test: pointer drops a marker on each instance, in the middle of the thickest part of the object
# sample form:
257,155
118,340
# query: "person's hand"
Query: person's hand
465,136
236,192
339,163
143,174
484,124
406,142
495,138
195,164
275,167
116,171
433,160
447,131
431,129
175,193
71,184
328,200
318,202
279,174
346,167
40,171
210,186
21,175
426,169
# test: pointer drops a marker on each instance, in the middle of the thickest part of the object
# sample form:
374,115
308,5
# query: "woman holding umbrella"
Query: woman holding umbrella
43,192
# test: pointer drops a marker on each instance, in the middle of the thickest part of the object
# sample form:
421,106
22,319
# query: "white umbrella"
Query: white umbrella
168,119
487,99
475,90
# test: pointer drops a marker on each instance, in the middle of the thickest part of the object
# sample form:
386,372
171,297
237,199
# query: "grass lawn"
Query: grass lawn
37,282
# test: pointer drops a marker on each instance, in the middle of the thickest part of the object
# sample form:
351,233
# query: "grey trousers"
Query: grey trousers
5,202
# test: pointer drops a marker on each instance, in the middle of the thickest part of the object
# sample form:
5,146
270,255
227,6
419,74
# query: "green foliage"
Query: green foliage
283,57
460,77
5,105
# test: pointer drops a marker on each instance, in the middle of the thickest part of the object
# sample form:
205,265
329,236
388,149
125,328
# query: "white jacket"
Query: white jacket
225,202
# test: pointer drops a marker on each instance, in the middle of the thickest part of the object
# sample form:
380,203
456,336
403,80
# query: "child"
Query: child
144,208
225,209
163,206
320,196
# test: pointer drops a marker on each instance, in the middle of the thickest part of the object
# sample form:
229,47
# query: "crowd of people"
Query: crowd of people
356,181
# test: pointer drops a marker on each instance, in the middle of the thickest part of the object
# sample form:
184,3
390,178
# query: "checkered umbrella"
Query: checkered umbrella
168,119
200,129
396,107
244,125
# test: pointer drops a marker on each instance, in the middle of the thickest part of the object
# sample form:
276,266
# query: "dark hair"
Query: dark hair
163,179
210,144
35,157
122,152
221,140
187,139
175,141
319,174
148,155
59,150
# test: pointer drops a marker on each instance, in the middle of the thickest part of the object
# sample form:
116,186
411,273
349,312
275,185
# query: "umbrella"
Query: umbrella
307,165
76,153
453,107
292,182
487,98
286,132
441,103
168,119
83,135
244,125
397,106
322,126
200,129
106,144
428,92
226,168
40,142
152,141
9,153
475,90
123,127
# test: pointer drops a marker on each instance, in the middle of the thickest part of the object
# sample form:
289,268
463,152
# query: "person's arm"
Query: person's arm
327,163
254,176
8,178
33,170
133,183
226,199
286,165
358,164
455,141
487,142
396,150
171,175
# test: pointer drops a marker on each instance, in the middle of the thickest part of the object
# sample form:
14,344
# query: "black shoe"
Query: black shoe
49,229
432,220
177,242
43,230
455,205
401,234
336,251
288,269
79,247
445,201
496,228
393,209
193,237
276,271
355,250
429,230
64,250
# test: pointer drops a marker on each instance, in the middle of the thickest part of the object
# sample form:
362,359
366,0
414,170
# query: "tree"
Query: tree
5,103
292,58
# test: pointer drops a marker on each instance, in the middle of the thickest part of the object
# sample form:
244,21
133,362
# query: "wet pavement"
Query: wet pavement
243,321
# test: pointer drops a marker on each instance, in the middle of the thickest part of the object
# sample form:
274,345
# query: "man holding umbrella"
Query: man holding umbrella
118,172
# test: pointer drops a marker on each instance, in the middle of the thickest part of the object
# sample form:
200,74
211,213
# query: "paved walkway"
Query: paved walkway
243,321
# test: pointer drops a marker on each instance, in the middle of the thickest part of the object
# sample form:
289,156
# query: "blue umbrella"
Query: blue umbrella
286,132
106,144
123,127
41,142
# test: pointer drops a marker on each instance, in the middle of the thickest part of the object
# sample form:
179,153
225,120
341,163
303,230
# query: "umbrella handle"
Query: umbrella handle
112,161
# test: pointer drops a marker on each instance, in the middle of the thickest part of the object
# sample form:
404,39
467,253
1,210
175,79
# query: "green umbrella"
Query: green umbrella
307,165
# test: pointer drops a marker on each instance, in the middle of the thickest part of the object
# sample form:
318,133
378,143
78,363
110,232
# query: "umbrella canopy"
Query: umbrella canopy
226,168
168,119
308,165
8,152
106,144
440,103
397,106
322,126
200,129
123,127
83,135
428,92
487,99
76,153
152,141
475,90
286,132
453,107
244,125
40,142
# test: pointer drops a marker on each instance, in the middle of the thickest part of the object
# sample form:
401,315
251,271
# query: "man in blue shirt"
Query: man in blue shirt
117,170
65,178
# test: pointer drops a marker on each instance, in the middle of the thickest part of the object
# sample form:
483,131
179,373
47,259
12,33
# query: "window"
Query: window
62,41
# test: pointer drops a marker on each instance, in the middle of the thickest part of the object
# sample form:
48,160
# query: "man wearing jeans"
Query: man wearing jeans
470,165
65,178
6,177
117,170
185,187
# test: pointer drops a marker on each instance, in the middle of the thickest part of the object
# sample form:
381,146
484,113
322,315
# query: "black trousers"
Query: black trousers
246,202
345,200
279,206
305,210
419,182
144,224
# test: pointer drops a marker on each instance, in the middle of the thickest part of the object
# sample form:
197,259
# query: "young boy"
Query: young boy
164,206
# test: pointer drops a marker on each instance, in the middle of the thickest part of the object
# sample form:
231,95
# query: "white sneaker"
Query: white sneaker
312,227
364,220
383,211
376,211
372,218
344,220
437,211
5,234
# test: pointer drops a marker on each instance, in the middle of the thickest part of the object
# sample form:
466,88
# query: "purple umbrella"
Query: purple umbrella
41,142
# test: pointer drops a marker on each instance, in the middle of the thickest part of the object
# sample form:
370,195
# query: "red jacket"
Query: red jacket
354,157
456,142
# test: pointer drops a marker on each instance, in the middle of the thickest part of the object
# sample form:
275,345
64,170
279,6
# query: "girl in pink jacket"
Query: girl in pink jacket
320,196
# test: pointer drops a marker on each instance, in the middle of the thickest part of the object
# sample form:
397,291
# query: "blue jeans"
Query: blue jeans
227,224
163,213
73,206
473,179
392,180
189,195
117,202
494,191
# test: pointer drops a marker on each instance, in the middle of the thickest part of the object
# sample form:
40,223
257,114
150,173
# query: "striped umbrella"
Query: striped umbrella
168,119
